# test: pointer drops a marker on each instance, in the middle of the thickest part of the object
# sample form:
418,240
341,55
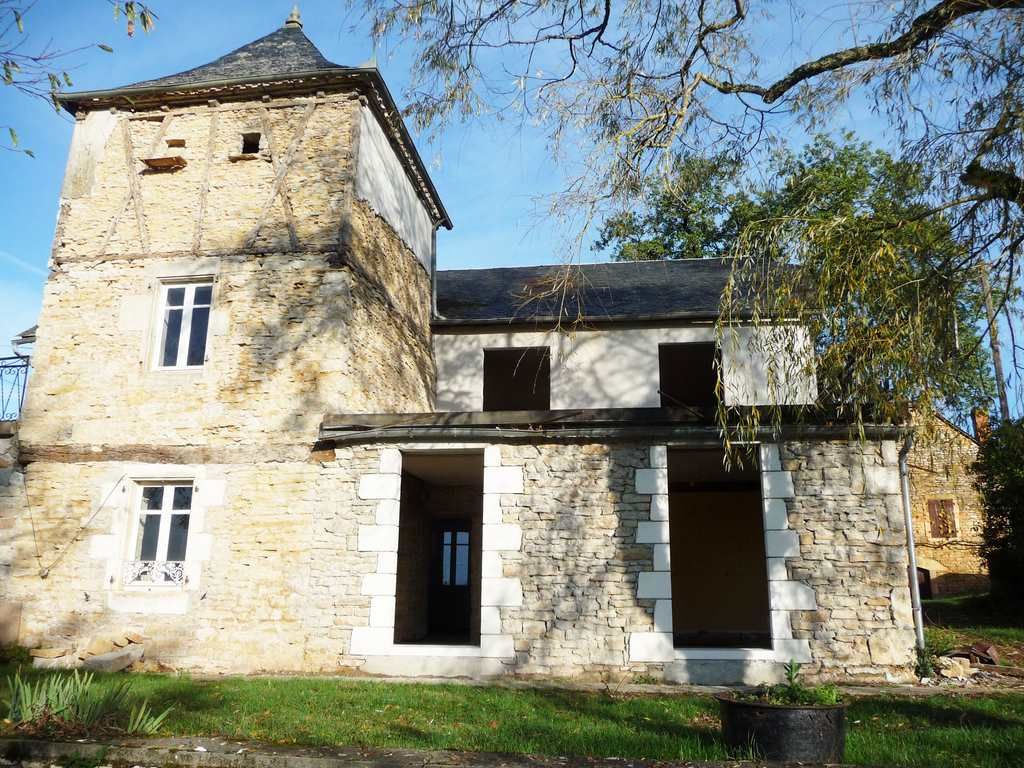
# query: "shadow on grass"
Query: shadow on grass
996,713
974,611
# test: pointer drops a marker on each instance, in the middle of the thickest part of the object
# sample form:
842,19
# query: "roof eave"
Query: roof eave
185,93
442,322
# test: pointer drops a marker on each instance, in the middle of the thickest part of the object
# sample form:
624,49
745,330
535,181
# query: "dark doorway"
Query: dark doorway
517,379
437,598
924,583
716,534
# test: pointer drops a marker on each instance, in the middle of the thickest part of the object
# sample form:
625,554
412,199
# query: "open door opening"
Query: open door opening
716,530
437,597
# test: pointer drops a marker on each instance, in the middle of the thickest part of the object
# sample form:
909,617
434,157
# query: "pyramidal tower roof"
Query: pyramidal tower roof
284,63
285,51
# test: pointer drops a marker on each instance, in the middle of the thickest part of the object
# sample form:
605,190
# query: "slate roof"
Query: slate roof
285,51
620,292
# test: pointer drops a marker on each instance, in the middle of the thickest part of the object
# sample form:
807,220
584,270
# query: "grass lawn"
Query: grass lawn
935,731
977,619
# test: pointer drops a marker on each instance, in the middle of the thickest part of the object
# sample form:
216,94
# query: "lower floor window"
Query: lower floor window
161,539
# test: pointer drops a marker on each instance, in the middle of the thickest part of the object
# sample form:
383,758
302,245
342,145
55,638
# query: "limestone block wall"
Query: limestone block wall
12,490
291,338
940,469
291,565
846,510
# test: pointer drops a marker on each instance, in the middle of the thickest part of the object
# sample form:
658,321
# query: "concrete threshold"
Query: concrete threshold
225,753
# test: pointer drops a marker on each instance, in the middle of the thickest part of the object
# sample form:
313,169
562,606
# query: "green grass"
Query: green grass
977,619
983,732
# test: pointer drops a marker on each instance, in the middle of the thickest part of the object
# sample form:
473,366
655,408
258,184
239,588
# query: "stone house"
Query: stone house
948,512
264,431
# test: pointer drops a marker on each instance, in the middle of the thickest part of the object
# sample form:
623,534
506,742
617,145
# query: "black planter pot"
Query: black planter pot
785,733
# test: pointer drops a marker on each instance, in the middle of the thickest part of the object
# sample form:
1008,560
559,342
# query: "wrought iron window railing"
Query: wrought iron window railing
13,379
154,572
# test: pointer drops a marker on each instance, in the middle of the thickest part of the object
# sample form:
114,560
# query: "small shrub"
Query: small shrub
795,693
14,654
76,703
925,665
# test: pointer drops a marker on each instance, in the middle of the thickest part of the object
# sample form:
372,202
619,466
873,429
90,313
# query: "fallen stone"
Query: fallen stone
954,667
48,653
68,661
979,653
114,661
96,647
135,637
120,642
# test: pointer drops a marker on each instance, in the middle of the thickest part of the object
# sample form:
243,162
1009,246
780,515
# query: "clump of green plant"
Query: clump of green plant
14,654
925,664
794,693
78,704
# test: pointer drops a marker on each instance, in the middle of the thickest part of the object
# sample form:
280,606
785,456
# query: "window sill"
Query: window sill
725,654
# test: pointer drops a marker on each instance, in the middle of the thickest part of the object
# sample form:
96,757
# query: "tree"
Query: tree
705,207
1000,480
36,70
643,86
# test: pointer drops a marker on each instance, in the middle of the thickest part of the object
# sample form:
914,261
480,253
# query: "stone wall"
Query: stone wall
847,510
940,469
12,503
290,560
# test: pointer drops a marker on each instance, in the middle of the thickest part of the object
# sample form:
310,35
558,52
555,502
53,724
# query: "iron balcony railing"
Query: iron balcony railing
13,380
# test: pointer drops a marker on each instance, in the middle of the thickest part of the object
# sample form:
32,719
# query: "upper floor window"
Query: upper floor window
161,534
687,374
185,314
517,379
941,519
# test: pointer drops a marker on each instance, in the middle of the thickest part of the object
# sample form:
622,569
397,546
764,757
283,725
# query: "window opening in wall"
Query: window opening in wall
437,595
716,535
941,519
517,379
250,143
186,319
688,374
161,534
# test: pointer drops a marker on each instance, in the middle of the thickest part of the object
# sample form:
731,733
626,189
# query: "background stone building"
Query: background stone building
948,513
264,432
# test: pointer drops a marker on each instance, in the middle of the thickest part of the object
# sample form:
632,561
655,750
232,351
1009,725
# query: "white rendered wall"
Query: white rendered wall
382,182
618,368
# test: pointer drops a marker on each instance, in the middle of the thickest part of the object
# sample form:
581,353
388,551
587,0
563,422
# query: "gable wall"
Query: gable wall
940,468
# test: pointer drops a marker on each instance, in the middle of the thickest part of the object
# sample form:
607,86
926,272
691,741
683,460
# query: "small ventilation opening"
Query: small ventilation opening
250,143
517,379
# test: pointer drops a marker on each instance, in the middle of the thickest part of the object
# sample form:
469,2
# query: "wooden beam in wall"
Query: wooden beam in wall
282,172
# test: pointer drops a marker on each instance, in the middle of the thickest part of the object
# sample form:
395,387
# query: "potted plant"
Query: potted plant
789,722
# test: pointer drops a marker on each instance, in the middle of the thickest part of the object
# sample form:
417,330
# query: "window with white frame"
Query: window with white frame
185,320
161,534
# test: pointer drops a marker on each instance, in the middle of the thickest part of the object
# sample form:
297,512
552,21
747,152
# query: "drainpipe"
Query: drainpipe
908,521
433,272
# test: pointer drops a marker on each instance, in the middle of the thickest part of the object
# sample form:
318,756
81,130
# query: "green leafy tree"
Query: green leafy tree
1000,479
854,258
38,70
695,210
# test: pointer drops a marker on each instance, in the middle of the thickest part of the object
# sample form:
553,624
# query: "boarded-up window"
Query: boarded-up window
941,522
